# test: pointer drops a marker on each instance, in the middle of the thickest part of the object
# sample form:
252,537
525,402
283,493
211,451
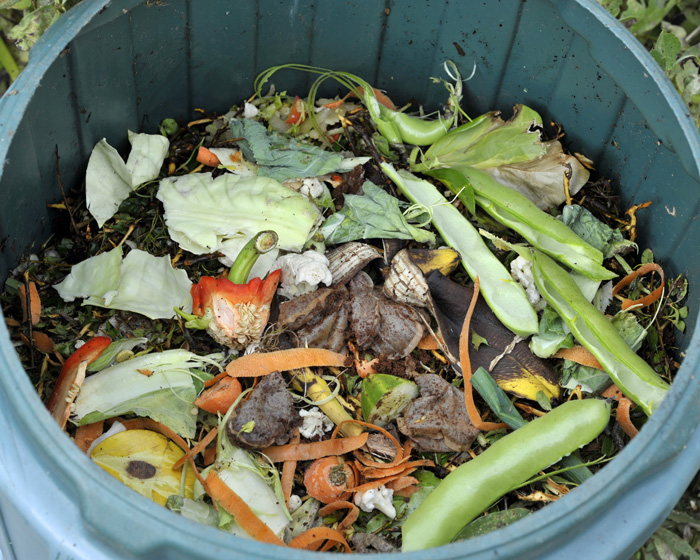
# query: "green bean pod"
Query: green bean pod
504,296
474,486
541,230
634,376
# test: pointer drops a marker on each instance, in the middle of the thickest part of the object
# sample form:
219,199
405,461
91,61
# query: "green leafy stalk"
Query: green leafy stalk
397,127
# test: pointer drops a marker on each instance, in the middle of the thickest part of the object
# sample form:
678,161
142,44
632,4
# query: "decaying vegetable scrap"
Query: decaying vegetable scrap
332,324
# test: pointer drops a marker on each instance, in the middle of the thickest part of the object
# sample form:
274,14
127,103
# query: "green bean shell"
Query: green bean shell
634,376
474,486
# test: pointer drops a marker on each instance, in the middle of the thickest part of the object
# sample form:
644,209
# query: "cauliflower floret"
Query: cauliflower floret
308,186
311,186
302,273
315,423
250,111
521,270
294,503
380,498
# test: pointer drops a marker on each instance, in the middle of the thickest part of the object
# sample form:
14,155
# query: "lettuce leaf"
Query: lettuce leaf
166,395
373,215
282,157
207,215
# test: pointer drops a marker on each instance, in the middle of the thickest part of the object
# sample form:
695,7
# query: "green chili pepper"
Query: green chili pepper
504,296
516,211
474,486
634,377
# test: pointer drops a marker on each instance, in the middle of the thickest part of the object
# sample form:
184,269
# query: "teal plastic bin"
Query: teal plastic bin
108,66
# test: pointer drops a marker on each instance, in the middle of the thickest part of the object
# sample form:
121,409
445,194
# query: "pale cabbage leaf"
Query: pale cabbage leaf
207,215
140,283
109,180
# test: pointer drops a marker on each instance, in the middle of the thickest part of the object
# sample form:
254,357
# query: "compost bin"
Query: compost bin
106,67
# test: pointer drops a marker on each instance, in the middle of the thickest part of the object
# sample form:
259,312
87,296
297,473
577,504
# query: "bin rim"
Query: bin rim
649,452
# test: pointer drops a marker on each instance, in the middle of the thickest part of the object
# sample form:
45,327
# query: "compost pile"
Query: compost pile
332,324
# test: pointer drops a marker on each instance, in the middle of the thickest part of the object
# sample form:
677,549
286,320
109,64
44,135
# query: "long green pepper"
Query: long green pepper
634,376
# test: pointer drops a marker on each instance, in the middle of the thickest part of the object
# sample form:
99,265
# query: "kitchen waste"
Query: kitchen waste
334,324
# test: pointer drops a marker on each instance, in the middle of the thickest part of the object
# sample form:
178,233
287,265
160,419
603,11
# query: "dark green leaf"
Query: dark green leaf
496,398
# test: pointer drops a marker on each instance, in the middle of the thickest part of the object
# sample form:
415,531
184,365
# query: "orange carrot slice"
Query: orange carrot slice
472,411
655,295
258,364
207,157
314,450
219,397
234,504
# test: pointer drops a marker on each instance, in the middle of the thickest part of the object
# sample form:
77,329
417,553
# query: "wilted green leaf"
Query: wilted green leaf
33,26
666,50
491,522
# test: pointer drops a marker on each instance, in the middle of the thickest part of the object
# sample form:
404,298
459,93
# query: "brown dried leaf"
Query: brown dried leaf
35,302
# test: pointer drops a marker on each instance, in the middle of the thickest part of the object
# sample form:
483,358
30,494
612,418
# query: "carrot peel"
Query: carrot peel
313,538
472,411
650,298
258,364
314,450
236,506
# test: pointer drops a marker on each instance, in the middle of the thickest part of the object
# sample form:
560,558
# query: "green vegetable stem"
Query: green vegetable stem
397,127
634,376
474,486
504,296
259,244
